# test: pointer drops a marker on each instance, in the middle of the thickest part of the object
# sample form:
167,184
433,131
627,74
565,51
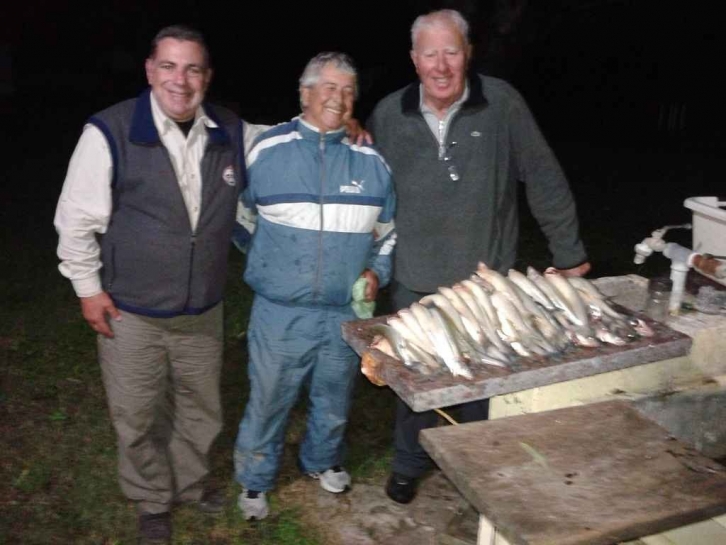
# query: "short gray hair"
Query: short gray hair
437,18
182,33
339,61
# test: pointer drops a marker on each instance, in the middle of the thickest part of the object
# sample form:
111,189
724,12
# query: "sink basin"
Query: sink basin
628,290
696,417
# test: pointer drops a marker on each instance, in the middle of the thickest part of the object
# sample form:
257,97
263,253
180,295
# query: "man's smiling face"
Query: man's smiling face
179,77
329,103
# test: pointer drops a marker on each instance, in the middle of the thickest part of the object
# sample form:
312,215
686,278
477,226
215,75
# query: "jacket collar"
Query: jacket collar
411,98
310,132
143,130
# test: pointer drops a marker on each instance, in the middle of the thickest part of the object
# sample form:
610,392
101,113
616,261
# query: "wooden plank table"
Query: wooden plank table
422,392
595,474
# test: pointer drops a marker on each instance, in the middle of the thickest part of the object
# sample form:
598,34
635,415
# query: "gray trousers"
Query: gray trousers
162,383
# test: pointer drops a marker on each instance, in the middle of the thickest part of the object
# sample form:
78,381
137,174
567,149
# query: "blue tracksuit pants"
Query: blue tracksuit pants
292,348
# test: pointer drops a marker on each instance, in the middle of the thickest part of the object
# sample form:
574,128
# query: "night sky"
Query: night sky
627,92
570,58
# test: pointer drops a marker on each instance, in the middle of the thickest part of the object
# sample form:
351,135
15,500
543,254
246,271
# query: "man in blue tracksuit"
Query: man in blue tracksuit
316,216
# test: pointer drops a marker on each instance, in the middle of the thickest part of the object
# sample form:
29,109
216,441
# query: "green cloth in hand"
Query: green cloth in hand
362,308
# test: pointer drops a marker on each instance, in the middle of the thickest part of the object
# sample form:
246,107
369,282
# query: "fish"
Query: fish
396,347
481,291
423,354
557,298
593,296
407,317
530,288
543,321
508,316
641,327
491,319
470,350
570,294
467,315
435,325
605,335
445,305
501,284
497,347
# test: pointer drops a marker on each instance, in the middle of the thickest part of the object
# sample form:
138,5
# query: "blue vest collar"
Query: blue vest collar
143,130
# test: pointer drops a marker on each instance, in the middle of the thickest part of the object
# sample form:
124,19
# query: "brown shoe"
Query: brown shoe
154,528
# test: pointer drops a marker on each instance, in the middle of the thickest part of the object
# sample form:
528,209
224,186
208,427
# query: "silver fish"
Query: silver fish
397,347
530,288
445,344
501,284
572,297
603,334
438,300
544,323
593,296
481,291
407,317
477,297
421,353
641,327
470,350
508,317
467,315
557,298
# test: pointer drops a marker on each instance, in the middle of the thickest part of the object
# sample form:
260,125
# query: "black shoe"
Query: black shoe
154,528
212,502
400,488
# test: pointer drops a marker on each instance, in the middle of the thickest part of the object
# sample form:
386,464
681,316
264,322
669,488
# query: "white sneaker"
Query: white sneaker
335,479
253,504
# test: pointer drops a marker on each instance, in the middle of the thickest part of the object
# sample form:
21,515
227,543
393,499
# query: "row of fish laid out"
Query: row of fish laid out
492,319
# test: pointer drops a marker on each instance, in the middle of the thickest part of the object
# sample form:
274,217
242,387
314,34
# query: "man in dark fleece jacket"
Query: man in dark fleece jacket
458,144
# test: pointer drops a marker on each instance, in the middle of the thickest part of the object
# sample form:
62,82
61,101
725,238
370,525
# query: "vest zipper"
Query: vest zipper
192,242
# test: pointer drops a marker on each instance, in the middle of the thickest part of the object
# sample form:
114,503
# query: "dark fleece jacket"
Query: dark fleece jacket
445,227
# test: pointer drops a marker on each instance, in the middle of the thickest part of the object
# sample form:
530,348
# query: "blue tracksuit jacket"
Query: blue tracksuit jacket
321,211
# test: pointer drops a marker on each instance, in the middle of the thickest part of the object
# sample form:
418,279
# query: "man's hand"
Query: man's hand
357,133
371,284
370,368
95,309
580,270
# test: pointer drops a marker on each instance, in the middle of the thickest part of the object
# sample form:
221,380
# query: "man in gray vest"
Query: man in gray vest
144,221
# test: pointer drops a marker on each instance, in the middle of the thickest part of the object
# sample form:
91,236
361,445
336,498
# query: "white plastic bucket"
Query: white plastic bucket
709,225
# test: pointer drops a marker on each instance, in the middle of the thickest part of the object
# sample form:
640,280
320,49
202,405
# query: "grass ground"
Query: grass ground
58,460
57,448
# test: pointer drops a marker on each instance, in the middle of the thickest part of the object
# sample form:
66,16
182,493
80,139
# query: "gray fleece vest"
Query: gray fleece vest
153,263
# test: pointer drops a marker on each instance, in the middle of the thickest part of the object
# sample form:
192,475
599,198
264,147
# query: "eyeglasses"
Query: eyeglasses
445,155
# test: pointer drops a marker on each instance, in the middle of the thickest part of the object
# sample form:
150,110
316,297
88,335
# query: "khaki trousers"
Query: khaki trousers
162,382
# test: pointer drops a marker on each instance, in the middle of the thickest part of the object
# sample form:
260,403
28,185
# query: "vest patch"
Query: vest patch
228,175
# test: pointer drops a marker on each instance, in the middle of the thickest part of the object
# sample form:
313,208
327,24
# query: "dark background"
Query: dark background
584,65
628,92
